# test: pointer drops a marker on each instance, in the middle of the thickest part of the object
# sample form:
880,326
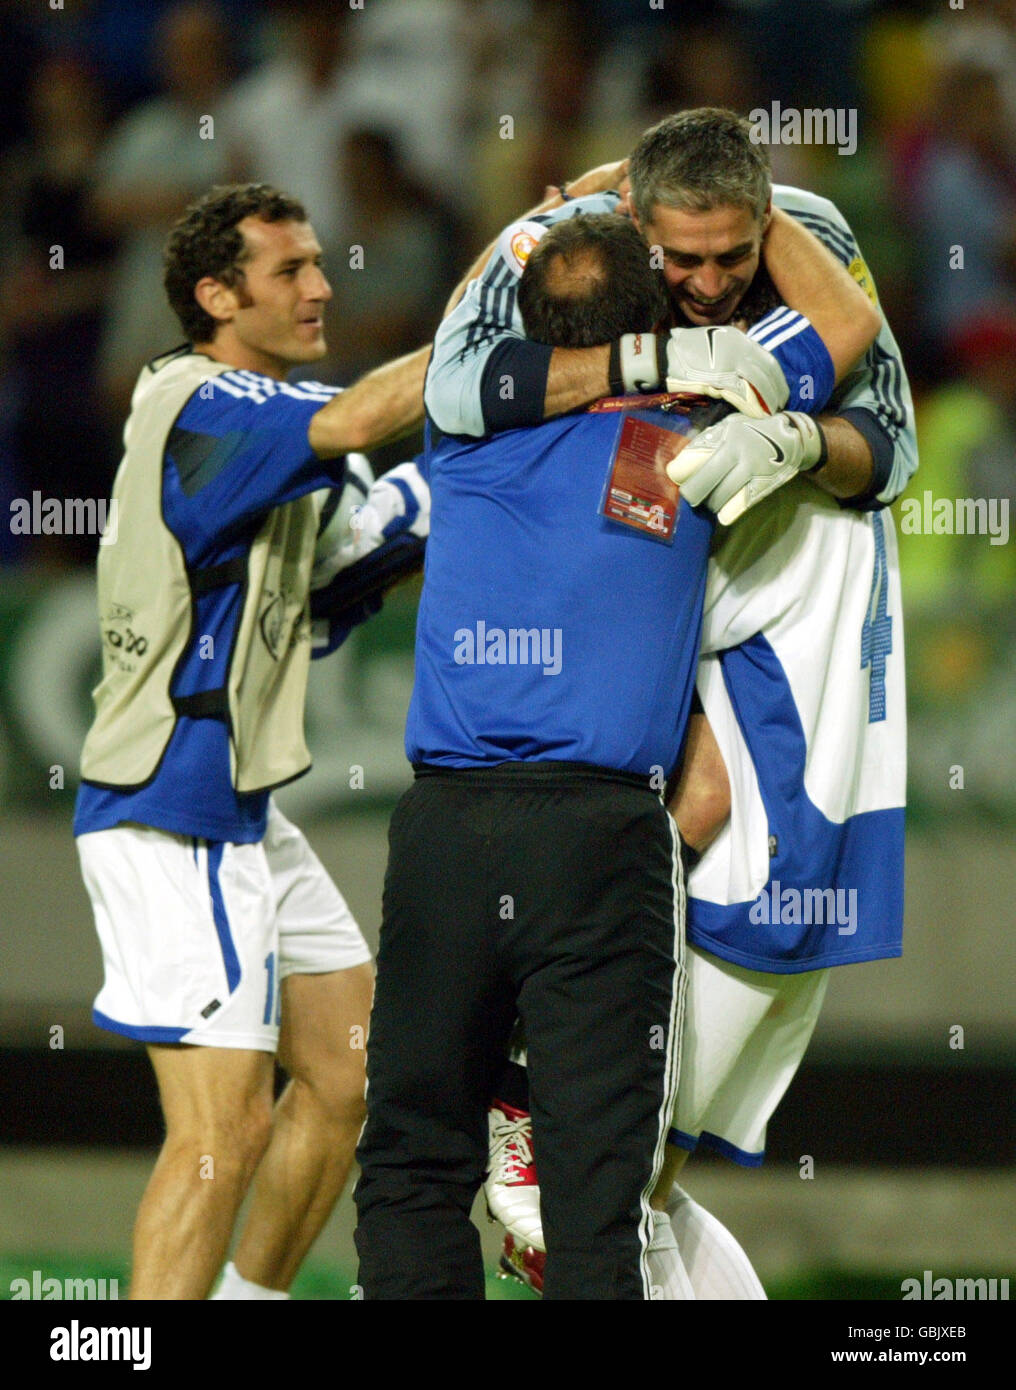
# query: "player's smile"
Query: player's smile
716,310
278,319
709,258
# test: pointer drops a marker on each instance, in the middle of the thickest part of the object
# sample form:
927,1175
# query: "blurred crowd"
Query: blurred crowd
413,129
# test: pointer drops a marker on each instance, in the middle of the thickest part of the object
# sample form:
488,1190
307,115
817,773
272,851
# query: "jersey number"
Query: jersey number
877,629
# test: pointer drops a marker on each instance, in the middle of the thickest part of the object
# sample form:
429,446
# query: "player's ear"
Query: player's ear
217,299
628,208
767,216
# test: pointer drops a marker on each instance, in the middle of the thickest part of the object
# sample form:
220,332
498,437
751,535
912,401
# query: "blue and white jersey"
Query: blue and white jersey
546,631
802,681
482,341
237,450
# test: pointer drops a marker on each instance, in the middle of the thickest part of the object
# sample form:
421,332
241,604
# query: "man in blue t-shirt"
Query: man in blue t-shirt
224,940
534,870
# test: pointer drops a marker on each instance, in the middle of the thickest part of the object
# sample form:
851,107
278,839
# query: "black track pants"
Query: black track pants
552,892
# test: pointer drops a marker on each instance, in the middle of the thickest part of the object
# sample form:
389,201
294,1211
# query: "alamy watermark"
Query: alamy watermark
65,516
787,125
928,1287
956,516
513,646
806,907
84,1289
77,1343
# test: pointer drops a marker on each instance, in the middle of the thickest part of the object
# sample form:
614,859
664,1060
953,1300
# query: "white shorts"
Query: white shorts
197,935
745,1033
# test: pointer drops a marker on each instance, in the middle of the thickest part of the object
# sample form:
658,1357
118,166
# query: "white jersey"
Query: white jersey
802,681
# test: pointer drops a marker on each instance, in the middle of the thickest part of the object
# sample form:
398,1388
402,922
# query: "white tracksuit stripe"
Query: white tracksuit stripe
779,338
673,1056
776,319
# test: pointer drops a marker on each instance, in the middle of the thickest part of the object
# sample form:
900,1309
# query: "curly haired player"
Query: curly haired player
224,940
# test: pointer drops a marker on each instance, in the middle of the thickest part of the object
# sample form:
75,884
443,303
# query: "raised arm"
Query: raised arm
811,280
382,406
868,424
863,448
598,180
486,376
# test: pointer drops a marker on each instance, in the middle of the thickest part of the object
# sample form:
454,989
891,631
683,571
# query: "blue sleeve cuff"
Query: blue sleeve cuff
882,452
514,384
809,370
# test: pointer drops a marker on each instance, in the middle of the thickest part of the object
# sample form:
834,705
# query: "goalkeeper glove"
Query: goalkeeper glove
720,361
397,503
734,464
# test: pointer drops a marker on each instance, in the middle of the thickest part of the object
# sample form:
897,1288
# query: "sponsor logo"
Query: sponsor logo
522,244
517,242
858,269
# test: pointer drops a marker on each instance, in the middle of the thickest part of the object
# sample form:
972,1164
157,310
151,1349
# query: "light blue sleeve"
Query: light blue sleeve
877,389
485,316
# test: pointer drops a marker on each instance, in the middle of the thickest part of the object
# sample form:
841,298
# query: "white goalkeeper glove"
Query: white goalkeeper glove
398,502
734,464
721,362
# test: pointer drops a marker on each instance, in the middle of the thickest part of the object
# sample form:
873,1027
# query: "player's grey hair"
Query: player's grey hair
698,160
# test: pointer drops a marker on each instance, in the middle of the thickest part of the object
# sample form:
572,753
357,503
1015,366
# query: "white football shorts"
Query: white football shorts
745,1033
197,935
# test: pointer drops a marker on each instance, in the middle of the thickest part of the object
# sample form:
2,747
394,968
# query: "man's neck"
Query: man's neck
243,359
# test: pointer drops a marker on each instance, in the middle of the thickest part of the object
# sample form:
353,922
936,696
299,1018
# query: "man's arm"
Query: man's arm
382,406
811,280
865,448
849,465
732,466
700,803
598,180
869,421
486,376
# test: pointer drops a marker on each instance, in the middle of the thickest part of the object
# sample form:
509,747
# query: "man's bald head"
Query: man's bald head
579,275
588,280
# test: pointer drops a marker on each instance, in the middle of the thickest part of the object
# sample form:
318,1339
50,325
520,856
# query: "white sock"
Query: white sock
234,1286
670,1282
716,1265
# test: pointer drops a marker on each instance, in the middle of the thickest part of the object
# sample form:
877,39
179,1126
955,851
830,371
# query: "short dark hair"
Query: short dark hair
589,279
697,160
205,241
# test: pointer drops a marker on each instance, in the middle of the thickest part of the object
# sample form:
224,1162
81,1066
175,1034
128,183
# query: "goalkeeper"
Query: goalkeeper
728,254
700,193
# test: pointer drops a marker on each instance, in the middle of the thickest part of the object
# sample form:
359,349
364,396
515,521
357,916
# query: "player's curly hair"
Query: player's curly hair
588,280
205,241
697,160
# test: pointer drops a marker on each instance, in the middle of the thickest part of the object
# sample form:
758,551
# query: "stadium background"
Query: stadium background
414,129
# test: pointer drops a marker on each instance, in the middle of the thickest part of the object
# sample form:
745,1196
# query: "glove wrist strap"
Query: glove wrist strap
634,364
615,381
823,451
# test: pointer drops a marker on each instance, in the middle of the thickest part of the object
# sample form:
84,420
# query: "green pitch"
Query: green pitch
321,1282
